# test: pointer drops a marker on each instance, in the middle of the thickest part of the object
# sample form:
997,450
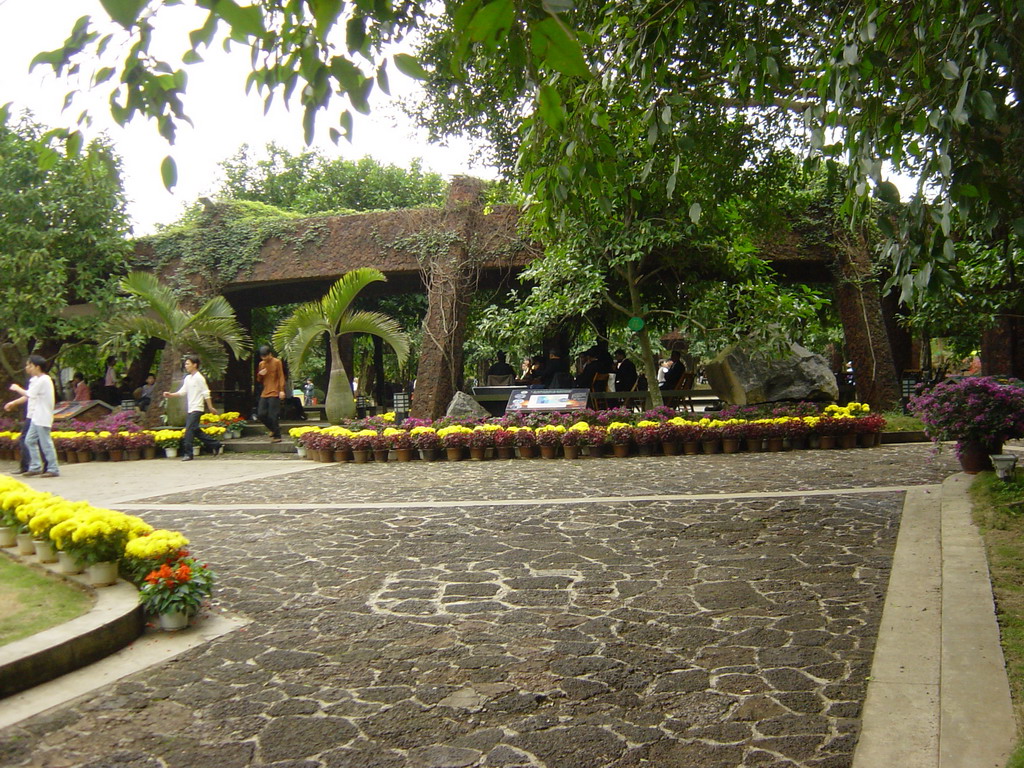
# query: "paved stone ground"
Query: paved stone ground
627,633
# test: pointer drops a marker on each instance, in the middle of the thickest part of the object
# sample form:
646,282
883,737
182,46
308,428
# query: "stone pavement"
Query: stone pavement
579,614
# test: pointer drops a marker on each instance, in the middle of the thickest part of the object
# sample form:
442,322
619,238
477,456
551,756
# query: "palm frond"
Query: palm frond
225,330
159,297
378,324
341,295
295,334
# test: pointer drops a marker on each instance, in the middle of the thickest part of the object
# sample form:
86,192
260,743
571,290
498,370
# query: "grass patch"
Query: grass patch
897,421
38,601
999,511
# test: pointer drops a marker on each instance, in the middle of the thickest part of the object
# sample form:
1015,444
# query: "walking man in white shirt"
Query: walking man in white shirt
197,396
41,402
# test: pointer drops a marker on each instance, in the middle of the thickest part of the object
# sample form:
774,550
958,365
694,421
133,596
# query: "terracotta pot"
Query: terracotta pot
691,447
100,456
342,455
116,455
754,444
848,441
70,457
827,442
506,451
326,456
645,449
360,457
621,450
797,443
62,457
711,446
477,452
133,454
974,455
571,451
5,454
403,454
671,448
313,454
730,445
428,454
549,451
870,439
381,455
455,454
527,451
774,444
149,452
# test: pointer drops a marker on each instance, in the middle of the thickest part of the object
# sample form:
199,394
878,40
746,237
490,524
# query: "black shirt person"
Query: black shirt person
625,372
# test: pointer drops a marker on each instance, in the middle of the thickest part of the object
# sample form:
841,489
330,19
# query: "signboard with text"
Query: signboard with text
537,400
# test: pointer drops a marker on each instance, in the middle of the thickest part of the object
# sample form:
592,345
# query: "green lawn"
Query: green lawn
999,511
38,601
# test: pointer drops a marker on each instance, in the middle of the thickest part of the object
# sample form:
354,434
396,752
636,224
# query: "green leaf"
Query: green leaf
694,213
325,12
245,21
1018,226
887,192
557,49
169,172
549,104
492,21
124,12
355,33
410,66
985,104
949,69
74,142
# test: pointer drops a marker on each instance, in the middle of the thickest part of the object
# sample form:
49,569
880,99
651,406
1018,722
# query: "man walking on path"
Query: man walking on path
271,376
41,401
197,397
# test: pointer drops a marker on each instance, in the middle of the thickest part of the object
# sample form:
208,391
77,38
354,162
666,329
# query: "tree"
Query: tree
334,316
204,332
62,239
310,183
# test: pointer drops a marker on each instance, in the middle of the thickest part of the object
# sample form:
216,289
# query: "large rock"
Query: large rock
741,377
463,406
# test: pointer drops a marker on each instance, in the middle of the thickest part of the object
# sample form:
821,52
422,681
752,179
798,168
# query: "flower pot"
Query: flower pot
571,451
380,455
325,456
974,455
301,450
313,454
827,442
5,454
83,456
869,439
172,621
149,452
428,454
68,564
45,551
848,441
102,574
671,448
477,452
645,449
359,456
70,457
797,443
118,455
730,445
527,451
711,446
549,451
691,447
774,444
403,454
596,451
100,456
754,444
8,536
341,455
133,454
454,454
25,545
62,457
506,451
621,450
171,453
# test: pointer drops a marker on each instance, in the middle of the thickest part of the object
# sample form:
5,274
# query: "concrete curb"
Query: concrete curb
114,621
938,695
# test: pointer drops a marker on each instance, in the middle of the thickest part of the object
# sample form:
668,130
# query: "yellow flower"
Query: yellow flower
389,416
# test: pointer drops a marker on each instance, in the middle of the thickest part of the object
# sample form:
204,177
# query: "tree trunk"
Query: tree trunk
339,403
168,379
860,308
1002,348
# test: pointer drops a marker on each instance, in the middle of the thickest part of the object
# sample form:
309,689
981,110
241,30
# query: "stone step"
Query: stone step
259,443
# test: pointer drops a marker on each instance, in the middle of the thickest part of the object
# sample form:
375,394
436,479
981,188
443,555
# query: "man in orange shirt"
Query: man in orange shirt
271,375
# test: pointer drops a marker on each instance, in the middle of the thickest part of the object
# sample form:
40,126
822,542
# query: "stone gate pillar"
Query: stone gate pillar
450,275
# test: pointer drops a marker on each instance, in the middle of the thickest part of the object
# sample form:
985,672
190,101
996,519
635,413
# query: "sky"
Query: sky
224,117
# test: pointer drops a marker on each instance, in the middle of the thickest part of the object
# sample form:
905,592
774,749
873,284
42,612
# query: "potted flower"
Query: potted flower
572,438
504,443
481,442
97,538
455,438
364,442
525,440
670,435
148,552
425,440
645,435
175,593
549,438
869,429
621,436
169,440
979,412
399,441
710,435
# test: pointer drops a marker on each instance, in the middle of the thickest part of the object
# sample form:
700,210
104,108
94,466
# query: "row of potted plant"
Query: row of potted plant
847,426
231,421
82,446
102,542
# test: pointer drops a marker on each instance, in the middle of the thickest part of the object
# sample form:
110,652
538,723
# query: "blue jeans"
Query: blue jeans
39,440
192,430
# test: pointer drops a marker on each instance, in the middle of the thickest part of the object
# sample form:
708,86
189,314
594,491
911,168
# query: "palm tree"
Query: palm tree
333,315
204,332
